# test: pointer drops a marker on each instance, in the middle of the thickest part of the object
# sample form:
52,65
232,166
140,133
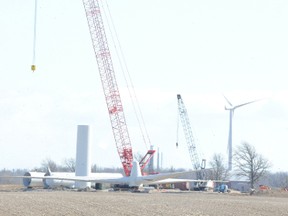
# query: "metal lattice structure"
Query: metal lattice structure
109,84
188,133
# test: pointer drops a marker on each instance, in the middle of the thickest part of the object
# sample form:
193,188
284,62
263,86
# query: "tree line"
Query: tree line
248,165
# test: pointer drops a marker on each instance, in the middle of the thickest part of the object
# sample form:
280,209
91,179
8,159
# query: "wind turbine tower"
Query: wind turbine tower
231,108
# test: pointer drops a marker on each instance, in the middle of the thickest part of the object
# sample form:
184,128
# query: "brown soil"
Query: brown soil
14,200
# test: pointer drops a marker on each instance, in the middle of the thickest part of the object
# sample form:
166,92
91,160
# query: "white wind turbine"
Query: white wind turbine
229,147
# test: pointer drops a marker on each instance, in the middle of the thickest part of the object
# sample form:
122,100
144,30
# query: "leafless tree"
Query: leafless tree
70,164
278,179
48,163
248,163
218,170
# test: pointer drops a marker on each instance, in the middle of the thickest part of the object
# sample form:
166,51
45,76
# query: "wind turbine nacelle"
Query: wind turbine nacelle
228,108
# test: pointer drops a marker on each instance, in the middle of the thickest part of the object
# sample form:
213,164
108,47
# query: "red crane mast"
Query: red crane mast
109,84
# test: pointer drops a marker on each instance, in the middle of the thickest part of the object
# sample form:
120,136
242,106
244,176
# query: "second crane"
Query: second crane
190,138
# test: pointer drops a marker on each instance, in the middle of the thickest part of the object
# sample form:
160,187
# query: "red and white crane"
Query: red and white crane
110,87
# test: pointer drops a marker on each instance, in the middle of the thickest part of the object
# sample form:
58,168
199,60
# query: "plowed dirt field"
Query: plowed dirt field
18,201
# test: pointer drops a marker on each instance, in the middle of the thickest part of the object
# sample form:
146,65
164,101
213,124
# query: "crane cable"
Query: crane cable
177,129
129,78
33,66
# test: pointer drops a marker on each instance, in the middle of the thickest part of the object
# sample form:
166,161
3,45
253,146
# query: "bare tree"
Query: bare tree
70,164
218,170
48,163
248,163
278,179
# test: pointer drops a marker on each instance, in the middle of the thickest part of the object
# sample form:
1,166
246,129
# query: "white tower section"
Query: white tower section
83,165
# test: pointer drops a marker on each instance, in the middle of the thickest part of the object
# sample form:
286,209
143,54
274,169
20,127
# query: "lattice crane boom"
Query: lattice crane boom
188,133
109,84
110,87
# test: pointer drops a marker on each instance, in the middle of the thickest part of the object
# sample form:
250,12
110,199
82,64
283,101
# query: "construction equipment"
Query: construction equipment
190,139
110,87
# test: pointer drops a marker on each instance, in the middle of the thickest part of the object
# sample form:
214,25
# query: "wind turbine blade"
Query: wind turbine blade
240,105
228,101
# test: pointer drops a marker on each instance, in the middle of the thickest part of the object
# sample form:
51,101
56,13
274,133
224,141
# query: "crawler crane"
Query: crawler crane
190,139
110,87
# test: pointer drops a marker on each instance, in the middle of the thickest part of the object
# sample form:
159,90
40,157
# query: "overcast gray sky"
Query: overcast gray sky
199,49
